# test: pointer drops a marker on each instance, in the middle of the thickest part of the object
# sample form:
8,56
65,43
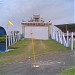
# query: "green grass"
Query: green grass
68,72
23,50
2,39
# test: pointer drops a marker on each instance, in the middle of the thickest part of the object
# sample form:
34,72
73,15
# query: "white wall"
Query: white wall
38,32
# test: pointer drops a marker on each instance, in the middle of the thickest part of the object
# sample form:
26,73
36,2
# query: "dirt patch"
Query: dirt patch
49,65
29,46
43,45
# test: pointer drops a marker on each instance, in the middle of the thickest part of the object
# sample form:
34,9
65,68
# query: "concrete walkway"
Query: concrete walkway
49,65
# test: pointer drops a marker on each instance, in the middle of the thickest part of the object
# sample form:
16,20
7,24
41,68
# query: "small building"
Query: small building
67,27
40,28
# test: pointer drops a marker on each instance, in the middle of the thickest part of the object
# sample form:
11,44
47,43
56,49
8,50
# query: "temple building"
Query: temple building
40,28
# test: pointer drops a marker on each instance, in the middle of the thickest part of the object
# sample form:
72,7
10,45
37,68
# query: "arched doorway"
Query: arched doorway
2,39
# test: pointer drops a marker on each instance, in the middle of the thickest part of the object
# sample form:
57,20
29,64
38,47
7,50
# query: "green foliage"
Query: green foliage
2,39
68,72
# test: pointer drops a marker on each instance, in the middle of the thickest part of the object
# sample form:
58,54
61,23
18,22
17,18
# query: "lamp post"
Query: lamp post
35,64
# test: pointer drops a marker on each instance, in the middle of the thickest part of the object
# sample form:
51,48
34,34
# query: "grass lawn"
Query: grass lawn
23,50
68,72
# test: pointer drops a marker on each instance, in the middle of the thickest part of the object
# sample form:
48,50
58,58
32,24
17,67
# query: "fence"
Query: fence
12,39
67,39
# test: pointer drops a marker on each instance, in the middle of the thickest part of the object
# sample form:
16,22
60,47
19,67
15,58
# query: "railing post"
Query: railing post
13,38
56,36
67,39
6,43
72,41
61,35
9,40
64,41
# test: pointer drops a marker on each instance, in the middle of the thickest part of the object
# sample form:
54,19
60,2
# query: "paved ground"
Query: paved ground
49,65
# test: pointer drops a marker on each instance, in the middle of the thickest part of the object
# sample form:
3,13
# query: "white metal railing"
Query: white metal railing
67,40
12,39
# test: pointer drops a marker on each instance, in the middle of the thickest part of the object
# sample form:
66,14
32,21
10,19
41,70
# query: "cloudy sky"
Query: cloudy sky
58,11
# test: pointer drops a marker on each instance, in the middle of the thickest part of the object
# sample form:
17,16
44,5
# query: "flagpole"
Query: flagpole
11,24
34,56
33,48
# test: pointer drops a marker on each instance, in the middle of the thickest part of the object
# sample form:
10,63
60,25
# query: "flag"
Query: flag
10,23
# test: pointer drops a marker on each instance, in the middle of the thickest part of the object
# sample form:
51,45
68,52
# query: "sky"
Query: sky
56,11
